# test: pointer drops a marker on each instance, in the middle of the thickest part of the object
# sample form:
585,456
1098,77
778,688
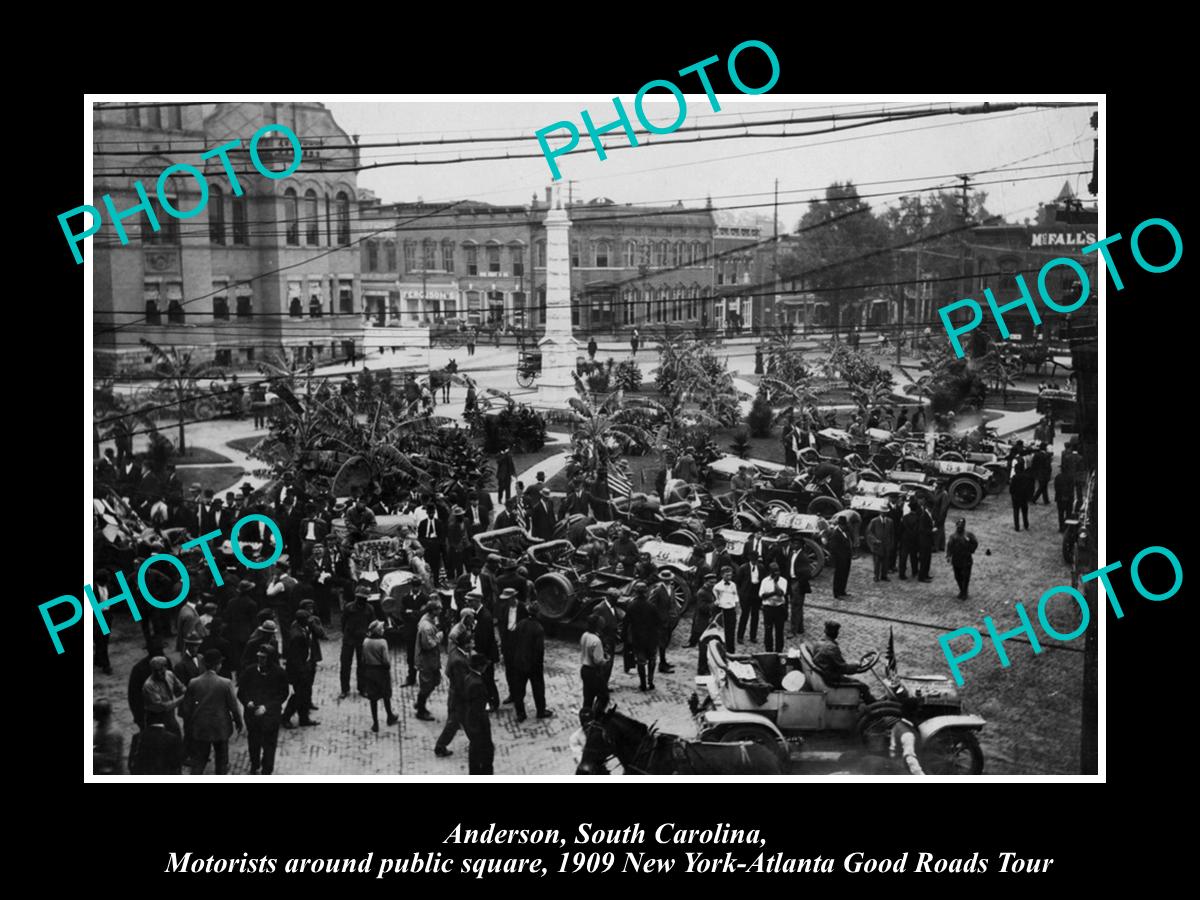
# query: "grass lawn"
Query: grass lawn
219,478
193,455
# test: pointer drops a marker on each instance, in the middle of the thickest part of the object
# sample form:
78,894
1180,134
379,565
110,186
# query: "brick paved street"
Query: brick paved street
1032,707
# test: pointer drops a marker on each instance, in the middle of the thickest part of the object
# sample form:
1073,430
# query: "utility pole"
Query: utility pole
966,218
775,257
1094,184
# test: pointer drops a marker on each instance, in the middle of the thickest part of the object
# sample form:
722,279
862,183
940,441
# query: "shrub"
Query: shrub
760,416
741,443
628,376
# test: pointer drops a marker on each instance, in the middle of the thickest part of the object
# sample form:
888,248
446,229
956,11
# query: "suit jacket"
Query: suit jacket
485,508
188,617
210,708
642,620
924,529
908,529
529,645
241,613
505,519
741,577
506,470
269,689
576,504
881,534
186,669
543,520
439,530
839,546
485,635
456,671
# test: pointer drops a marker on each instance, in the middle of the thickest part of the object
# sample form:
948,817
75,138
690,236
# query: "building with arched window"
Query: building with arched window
251,270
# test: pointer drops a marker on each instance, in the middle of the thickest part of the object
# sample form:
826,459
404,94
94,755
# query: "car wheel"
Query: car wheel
965,493
816,556
954,751
824,507
757,734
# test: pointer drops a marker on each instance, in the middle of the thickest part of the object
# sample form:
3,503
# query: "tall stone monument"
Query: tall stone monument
556,384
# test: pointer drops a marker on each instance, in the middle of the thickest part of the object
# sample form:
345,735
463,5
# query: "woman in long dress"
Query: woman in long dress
376,669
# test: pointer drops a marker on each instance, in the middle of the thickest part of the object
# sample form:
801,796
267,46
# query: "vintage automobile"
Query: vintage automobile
820,717
834,443
727,466
966,482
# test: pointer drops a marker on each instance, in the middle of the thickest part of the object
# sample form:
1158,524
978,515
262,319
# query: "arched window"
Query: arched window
644,253
390,254
602,254
656,257
343,218
674,257
241,234
372,256
216,214
291,215
312,213
664,250
630,254
448,256
681,252
168,226
516,253
428,255
647,311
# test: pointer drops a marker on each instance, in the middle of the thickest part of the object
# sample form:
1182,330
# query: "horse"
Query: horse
442,378
643,750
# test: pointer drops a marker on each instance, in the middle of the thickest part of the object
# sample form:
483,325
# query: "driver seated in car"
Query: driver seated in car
742,484
646,506
827,657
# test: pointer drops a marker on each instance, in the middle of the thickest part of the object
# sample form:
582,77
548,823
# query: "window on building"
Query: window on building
390,255
220,307
245,303
541,306
312,213
541,255
248,353
343,218
493,258
696,257
316,308
473,306
518,260
447,256
575,311
649,303
644,253
295,304
574,262
602,254
656,257
328,226
153,116
630,254
518,308
175,313
131,116
410,256
495,310
681,252
346,297
223,357
216,214
372,256
168,226
241,234
291,215
174,117
428,255
472,259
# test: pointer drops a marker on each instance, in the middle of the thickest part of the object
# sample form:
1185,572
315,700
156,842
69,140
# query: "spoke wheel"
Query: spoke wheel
965,493
951,752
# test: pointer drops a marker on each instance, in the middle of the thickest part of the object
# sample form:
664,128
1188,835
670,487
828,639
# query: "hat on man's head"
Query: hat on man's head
711,576
193,638
247,488
458,511
268,626
195,487
302,615
495,559
213,657
666,574
508,593
832,628
309,604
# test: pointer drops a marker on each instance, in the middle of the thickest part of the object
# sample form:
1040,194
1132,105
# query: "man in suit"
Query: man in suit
190,663
703,613
207,514
507,614
896,514
263,691
313,530
188,617
508,517
542,518
641,623
529,656
301,670
240,613
925,529
506,471
457,543
160,752
479,511
662,595
457,663
577,502
478,728
748,577
211,710
486,644
939,509
908,540
609,617
880,537
799,574
468,581
356,617
431,532
838,542
959,550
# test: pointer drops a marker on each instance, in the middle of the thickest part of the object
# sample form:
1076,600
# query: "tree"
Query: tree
608,427
118,418
832,251
178,379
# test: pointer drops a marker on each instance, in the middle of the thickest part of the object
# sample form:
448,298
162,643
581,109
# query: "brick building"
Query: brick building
245,274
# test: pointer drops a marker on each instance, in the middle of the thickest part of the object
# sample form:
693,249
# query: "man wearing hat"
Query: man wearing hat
161,693
578,501
662,595
960,549
300,666
356,619
240,613
359,519
528,659
470,580
706,603
211,710
541,516
476,725
429,656
431,532
827,657
458,543
726,599
594,665
507,517
263,691
484,641
507,614
267,632
610,616
190,662
457,663
1041,468
642,627
187,617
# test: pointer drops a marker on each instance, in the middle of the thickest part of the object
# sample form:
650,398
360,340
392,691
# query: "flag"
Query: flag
619,484
890,668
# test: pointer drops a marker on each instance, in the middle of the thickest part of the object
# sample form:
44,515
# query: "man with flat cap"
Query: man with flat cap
481,752
641,636
429,657
960,550
457,663
267,632
211,710
827,656
263,690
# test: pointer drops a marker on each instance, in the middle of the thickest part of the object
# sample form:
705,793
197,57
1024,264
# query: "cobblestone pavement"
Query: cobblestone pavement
1032,706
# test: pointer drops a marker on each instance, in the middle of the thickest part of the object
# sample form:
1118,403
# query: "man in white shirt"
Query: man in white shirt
725,594
774,590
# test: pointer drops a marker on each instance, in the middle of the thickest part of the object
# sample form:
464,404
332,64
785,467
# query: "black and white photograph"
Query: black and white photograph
677,434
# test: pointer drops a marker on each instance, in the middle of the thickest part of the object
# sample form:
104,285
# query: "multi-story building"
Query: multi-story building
484,265
276,266
743,269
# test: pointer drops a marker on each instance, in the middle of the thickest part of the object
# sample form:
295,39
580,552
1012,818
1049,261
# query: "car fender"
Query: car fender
720,718
930,727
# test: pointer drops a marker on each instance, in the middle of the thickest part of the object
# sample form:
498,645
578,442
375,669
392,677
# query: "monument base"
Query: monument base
556,383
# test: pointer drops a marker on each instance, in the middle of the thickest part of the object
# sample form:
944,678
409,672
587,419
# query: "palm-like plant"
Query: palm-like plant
118,418
178,376
607,427
798,399
872,400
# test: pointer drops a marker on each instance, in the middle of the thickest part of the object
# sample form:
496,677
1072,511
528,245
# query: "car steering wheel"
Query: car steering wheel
869,659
